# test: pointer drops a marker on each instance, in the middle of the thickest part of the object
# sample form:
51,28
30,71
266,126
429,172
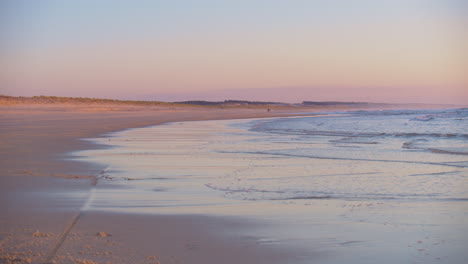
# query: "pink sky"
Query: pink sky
399,51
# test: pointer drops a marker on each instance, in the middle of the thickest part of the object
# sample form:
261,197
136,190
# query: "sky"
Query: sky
280,50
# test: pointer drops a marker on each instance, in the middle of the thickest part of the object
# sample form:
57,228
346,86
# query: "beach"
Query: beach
35,173
233,132
167,185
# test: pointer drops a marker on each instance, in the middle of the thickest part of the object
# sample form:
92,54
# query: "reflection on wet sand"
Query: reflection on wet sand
350,198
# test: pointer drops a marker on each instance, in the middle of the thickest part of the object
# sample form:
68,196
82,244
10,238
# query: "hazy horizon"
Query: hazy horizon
221,97
411,51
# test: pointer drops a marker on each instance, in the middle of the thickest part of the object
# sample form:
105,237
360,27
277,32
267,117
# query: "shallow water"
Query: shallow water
355,186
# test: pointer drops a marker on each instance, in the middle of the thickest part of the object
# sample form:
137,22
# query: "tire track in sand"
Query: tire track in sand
63,236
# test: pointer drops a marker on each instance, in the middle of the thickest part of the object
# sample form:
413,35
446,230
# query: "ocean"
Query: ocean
356,186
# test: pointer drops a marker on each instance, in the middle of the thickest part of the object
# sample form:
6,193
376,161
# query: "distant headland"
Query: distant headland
6,100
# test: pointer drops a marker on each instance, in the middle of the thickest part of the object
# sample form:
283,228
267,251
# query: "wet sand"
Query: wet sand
35,172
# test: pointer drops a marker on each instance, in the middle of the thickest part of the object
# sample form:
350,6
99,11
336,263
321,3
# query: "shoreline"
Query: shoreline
36,144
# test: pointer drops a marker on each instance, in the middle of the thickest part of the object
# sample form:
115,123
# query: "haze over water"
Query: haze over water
352,186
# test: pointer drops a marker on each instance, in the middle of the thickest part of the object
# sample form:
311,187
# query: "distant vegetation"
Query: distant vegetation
332,103
48,100
70,100
231,102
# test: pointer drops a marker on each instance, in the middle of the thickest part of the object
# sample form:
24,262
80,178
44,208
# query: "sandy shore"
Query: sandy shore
34,172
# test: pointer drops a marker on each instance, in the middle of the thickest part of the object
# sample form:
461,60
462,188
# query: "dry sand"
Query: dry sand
34,143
